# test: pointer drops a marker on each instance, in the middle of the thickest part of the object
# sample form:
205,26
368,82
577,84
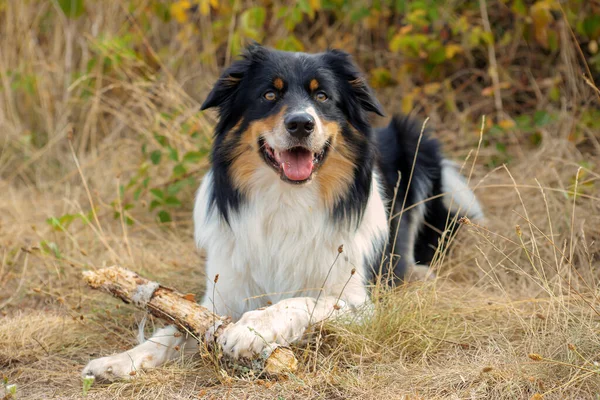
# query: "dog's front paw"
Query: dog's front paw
248,337
118,366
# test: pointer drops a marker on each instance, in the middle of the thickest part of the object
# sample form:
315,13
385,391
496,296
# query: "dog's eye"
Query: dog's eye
321,96
270,95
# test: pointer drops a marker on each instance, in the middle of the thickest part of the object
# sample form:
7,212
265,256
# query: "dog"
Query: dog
305,204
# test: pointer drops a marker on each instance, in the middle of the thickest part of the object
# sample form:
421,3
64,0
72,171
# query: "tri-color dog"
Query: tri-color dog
297,171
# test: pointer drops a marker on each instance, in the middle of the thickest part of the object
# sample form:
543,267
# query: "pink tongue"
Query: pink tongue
297,164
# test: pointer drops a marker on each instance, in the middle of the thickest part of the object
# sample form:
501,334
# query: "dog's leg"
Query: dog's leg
403,235
286,321
166,344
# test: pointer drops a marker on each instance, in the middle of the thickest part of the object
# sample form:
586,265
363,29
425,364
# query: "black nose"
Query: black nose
300,125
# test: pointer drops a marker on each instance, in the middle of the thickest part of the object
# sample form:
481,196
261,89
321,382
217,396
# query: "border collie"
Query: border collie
299,178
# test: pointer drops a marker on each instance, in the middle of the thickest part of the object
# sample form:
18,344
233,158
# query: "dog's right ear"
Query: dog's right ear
227,85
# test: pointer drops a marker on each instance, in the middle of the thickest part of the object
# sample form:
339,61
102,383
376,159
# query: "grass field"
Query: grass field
94,132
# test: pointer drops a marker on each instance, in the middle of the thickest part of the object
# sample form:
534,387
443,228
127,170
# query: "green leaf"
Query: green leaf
158,193
193,157
164,216
174,188
541,118
173,154
154,204
62,223
50,248
436,53
162,140
290,43
71,8
172,201
155,157
536,139
179,170
162,11
54,223
523,121
359,14
591,26
253,18
303,5
501,147
519,7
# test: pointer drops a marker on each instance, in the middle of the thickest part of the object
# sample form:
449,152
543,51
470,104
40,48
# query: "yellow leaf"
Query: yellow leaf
541,17
452,50
179,10
214,4
506,124
315,4
405,29
432,88
407,103
204,7
381,77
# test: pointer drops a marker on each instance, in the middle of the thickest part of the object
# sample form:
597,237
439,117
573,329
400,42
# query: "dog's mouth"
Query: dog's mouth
296,164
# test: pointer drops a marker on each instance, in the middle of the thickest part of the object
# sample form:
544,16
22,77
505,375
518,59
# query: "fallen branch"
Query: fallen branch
182,311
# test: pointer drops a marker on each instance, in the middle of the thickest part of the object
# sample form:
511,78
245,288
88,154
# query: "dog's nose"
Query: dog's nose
299,125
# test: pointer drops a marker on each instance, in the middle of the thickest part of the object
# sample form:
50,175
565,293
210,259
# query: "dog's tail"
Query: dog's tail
430,193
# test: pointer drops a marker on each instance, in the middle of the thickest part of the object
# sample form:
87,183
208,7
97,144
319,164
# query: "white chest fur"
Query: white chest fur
282,243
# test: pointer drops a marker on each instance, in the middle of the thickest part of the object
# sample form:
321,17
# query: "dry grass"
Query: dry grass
504,293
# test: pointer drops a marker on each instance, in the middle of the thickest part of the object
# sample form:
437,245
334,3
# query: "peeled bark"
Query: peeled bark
181,310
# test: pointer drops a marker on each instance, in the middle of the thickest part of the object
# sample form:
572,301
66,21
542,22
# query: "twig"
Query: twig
176,308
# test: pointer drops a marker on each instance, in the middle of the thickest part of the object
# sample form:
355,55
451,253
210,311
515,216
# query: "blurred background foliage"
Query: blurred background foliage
139,68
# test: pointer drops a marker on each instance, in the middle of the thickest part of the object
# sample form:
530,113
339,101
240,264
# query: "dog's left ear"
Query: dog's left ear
341,63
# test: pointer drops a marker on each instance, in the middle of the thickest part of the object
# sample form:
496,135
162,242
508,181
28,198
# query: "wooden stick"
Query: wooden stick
184,312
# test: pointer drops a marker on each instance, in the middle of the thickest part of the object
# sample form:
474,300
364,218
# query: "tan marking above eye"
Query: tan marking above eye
278,83
270,95
314,85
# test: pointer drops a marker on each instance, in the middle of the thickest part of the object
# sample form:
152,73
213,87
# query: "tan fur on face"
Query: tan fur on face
314,85
246,157
278,83
336,174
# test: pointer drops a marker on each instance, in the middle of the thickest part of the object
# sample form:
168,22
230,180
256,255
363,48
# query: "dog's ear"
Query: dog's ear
227,85
363,97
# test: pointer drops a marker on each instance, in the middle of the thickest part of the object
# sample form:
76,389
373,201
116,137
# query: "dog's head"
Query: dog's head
293,105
